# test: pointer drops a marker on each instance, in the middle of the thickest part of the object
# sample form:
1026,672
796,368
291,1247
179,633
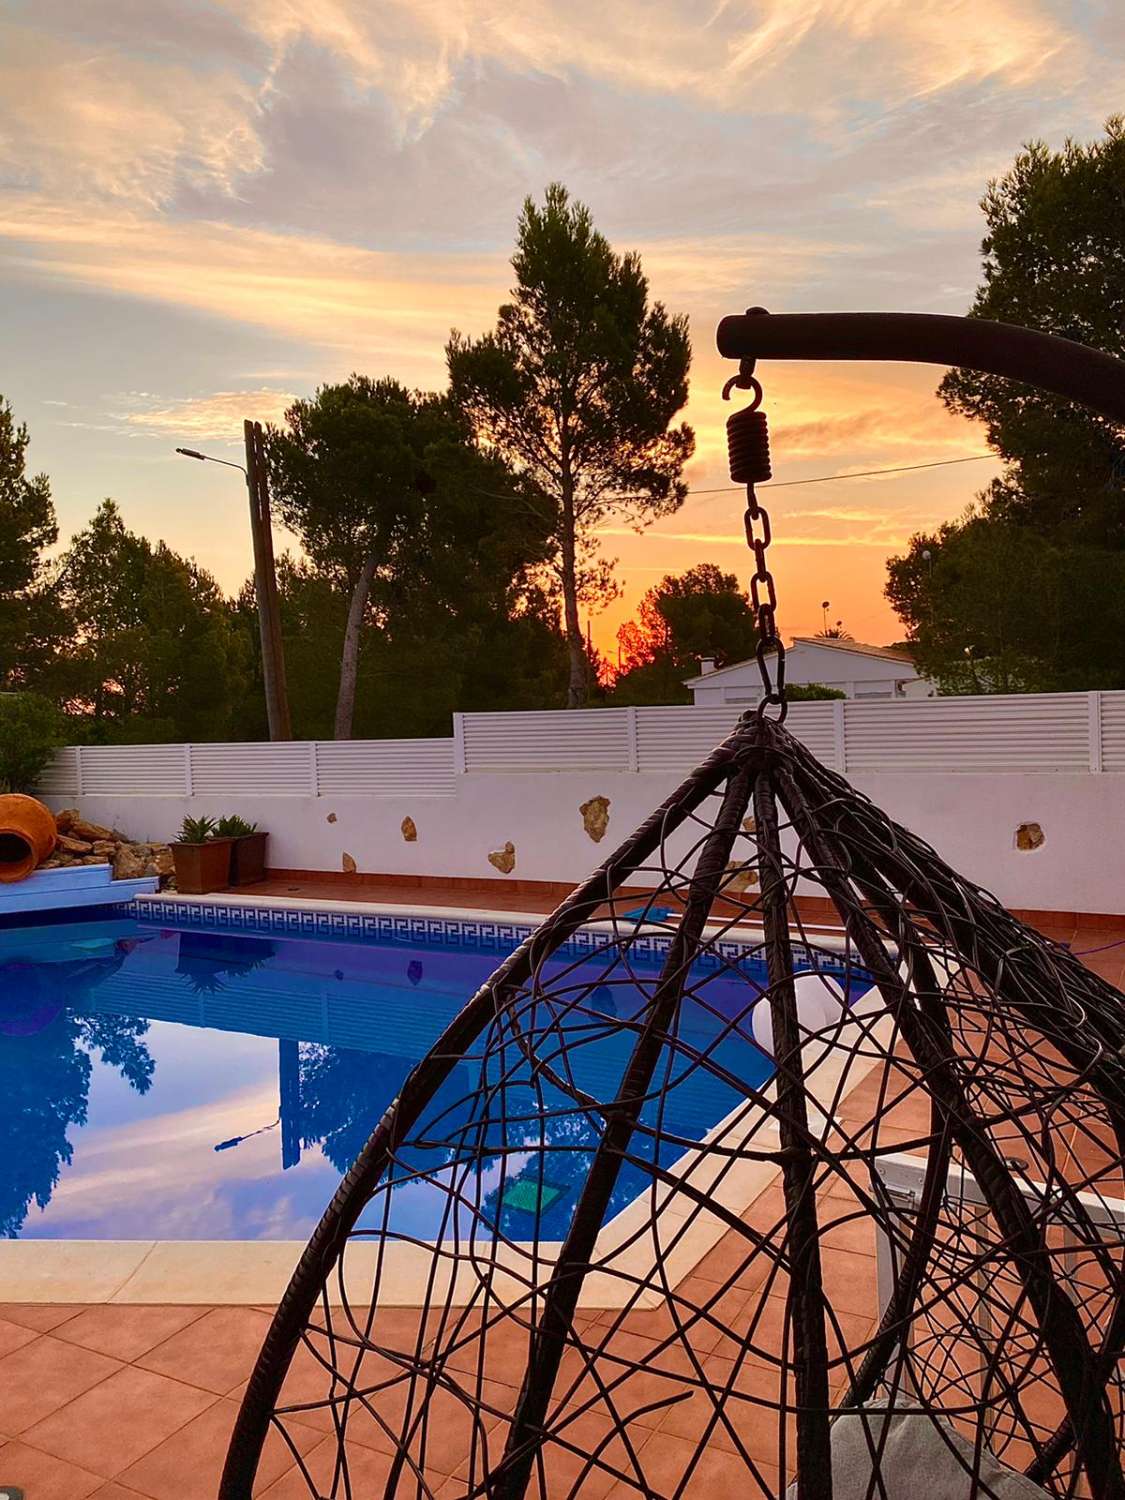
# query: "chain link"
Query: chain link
763,597
748,440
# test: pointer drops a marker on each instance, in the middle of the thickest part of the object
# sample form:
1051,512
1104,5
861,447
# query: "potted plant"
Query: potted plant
248,852
201,857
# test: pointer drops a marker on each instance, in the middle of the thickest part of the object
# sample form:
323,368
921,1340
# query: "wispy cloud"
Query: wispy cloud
389,309
415,49
99,125
219,416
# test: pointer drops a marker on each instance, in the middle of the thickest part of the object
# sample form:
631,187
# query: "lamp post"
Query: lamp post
265,577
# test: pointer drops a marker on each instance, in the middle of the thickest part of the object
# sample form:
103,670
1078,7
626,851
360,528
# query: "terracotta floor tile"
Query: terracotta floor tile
44,1375
14,1336
42,1316
567,1469
114,1491
459,1434
367,1472
115,1422
126,1332
43,1477
188,1465
217,1352
665,1460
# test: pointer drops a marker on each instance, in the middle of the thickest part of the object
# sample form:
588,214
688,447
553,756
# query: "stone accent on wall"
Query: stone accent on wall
595,817
740,876
504,859
409,830
347,863
1030,836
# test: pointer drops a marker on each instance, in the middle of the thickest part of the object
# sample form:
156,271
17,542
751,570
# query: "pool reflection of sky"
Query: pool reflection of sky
129,1053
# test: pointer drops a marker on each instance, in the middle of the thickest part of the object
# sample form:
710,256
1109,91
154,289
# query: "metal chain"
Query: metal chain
748,439
763,597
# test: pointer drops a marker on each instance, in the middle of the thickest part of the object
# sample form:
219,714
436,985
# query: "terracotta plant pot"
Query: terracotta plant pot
248,859
202,868
27,835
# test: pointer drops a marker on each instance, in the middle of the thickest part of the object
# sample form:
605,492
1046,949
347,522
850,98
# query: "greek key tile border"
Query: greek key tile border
481,933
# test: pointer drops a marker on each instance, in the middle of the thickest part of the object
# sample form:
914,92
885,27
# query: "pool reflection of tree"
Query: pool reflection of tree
524,1190
205,958
45,1070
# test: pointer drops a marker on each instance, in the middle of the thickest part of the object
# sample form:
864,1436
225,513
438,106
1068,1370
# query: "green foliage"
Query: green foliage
231,826
31,730
1053,261
701,612
31,622
1027,591
198,830
997,608
576,389
811,692
155,654
421,550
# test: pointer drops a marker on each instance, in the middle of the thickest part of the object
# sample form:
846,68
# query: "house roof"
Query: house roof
850,648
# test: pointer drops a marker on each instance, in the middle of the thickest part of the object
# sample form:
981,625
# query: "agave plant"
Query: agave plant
233,827
198,830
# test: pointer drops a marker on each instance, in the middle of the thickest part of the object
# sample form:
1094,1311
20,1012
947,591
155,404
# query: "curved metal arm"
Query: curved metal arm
1054,364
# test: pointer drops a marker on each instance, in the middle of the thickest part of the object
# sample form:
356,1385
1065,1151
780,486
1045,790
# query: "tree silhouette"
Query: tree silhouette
45,1070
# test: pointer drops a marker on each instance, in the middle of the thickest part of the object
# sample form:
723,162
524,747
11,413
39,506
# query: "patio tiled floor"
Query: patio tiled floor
137,1402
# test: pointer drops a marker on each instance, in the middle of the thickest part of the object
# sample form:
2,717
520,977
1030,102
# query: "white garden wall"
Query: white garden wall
970,818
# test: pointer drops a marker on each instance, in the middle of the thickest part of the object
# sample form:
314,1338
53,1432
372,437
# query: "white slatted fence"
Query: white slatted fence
1059,732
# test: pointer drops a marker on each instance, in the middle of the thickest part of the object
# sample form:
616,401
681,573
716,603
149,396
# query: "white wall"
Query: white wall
970,818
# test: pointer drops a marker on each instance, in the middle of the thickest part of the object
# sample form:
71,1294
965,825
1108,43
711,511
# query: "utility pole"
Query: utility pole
265,586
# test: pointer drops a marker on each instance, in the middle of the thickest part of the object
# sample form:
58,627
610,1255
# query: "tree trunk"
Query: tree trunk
349,656
572,625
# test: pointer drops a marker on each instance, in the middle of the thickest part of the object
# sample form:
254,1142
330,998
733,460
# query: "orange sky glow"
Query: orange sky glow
212,206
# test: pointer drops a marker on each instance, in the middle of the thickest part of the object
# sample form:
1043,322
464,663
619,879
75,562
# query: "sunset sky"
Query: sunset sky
208,206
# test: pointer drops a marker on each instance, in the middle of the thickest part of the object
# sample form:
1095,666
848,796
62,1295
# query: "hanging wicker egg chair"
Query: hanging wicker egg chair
890,1265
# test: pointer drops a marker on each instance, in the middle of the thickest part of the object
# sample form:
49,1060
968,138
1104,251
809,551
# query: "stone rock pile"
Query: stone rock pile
83,843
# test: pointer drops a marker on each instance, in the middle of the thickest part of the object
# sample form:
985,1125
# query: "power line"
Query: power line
785,484
937,463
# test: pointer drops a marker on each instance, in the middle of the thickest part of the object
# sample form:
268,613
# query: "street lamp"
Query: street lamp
824,606
211,459
265,578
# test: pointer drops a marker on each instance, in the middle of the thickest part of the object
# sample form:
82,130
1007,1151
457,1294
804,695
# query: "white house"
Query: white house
856,670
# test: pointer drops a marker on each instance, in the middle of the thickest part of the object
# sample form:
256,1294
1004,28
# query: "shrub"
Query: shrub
197,830
233,827
31,730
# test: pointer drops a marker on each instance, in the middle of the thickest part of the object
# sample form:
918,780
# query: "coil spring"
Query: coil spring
748,446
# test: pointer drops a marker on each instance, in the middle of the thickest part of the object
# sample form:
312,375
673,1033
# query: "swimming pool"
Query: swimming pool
174,1082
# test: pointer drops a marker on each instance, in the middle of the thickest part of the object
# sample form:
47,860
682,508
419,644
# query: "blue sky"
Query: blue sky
209,206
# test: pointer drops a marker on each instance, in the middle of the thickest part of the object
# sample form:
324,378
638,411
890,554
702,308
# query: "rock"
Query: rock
105,846
347,863
129,862
1030,836
331,818
162,860
504,859
739,876
65,818
54,863
80,829
93,859
595,817
409,830
74,846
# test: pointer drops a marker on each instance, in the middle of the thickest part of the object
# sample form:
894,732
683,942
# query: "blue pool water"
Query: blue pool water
184,1084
